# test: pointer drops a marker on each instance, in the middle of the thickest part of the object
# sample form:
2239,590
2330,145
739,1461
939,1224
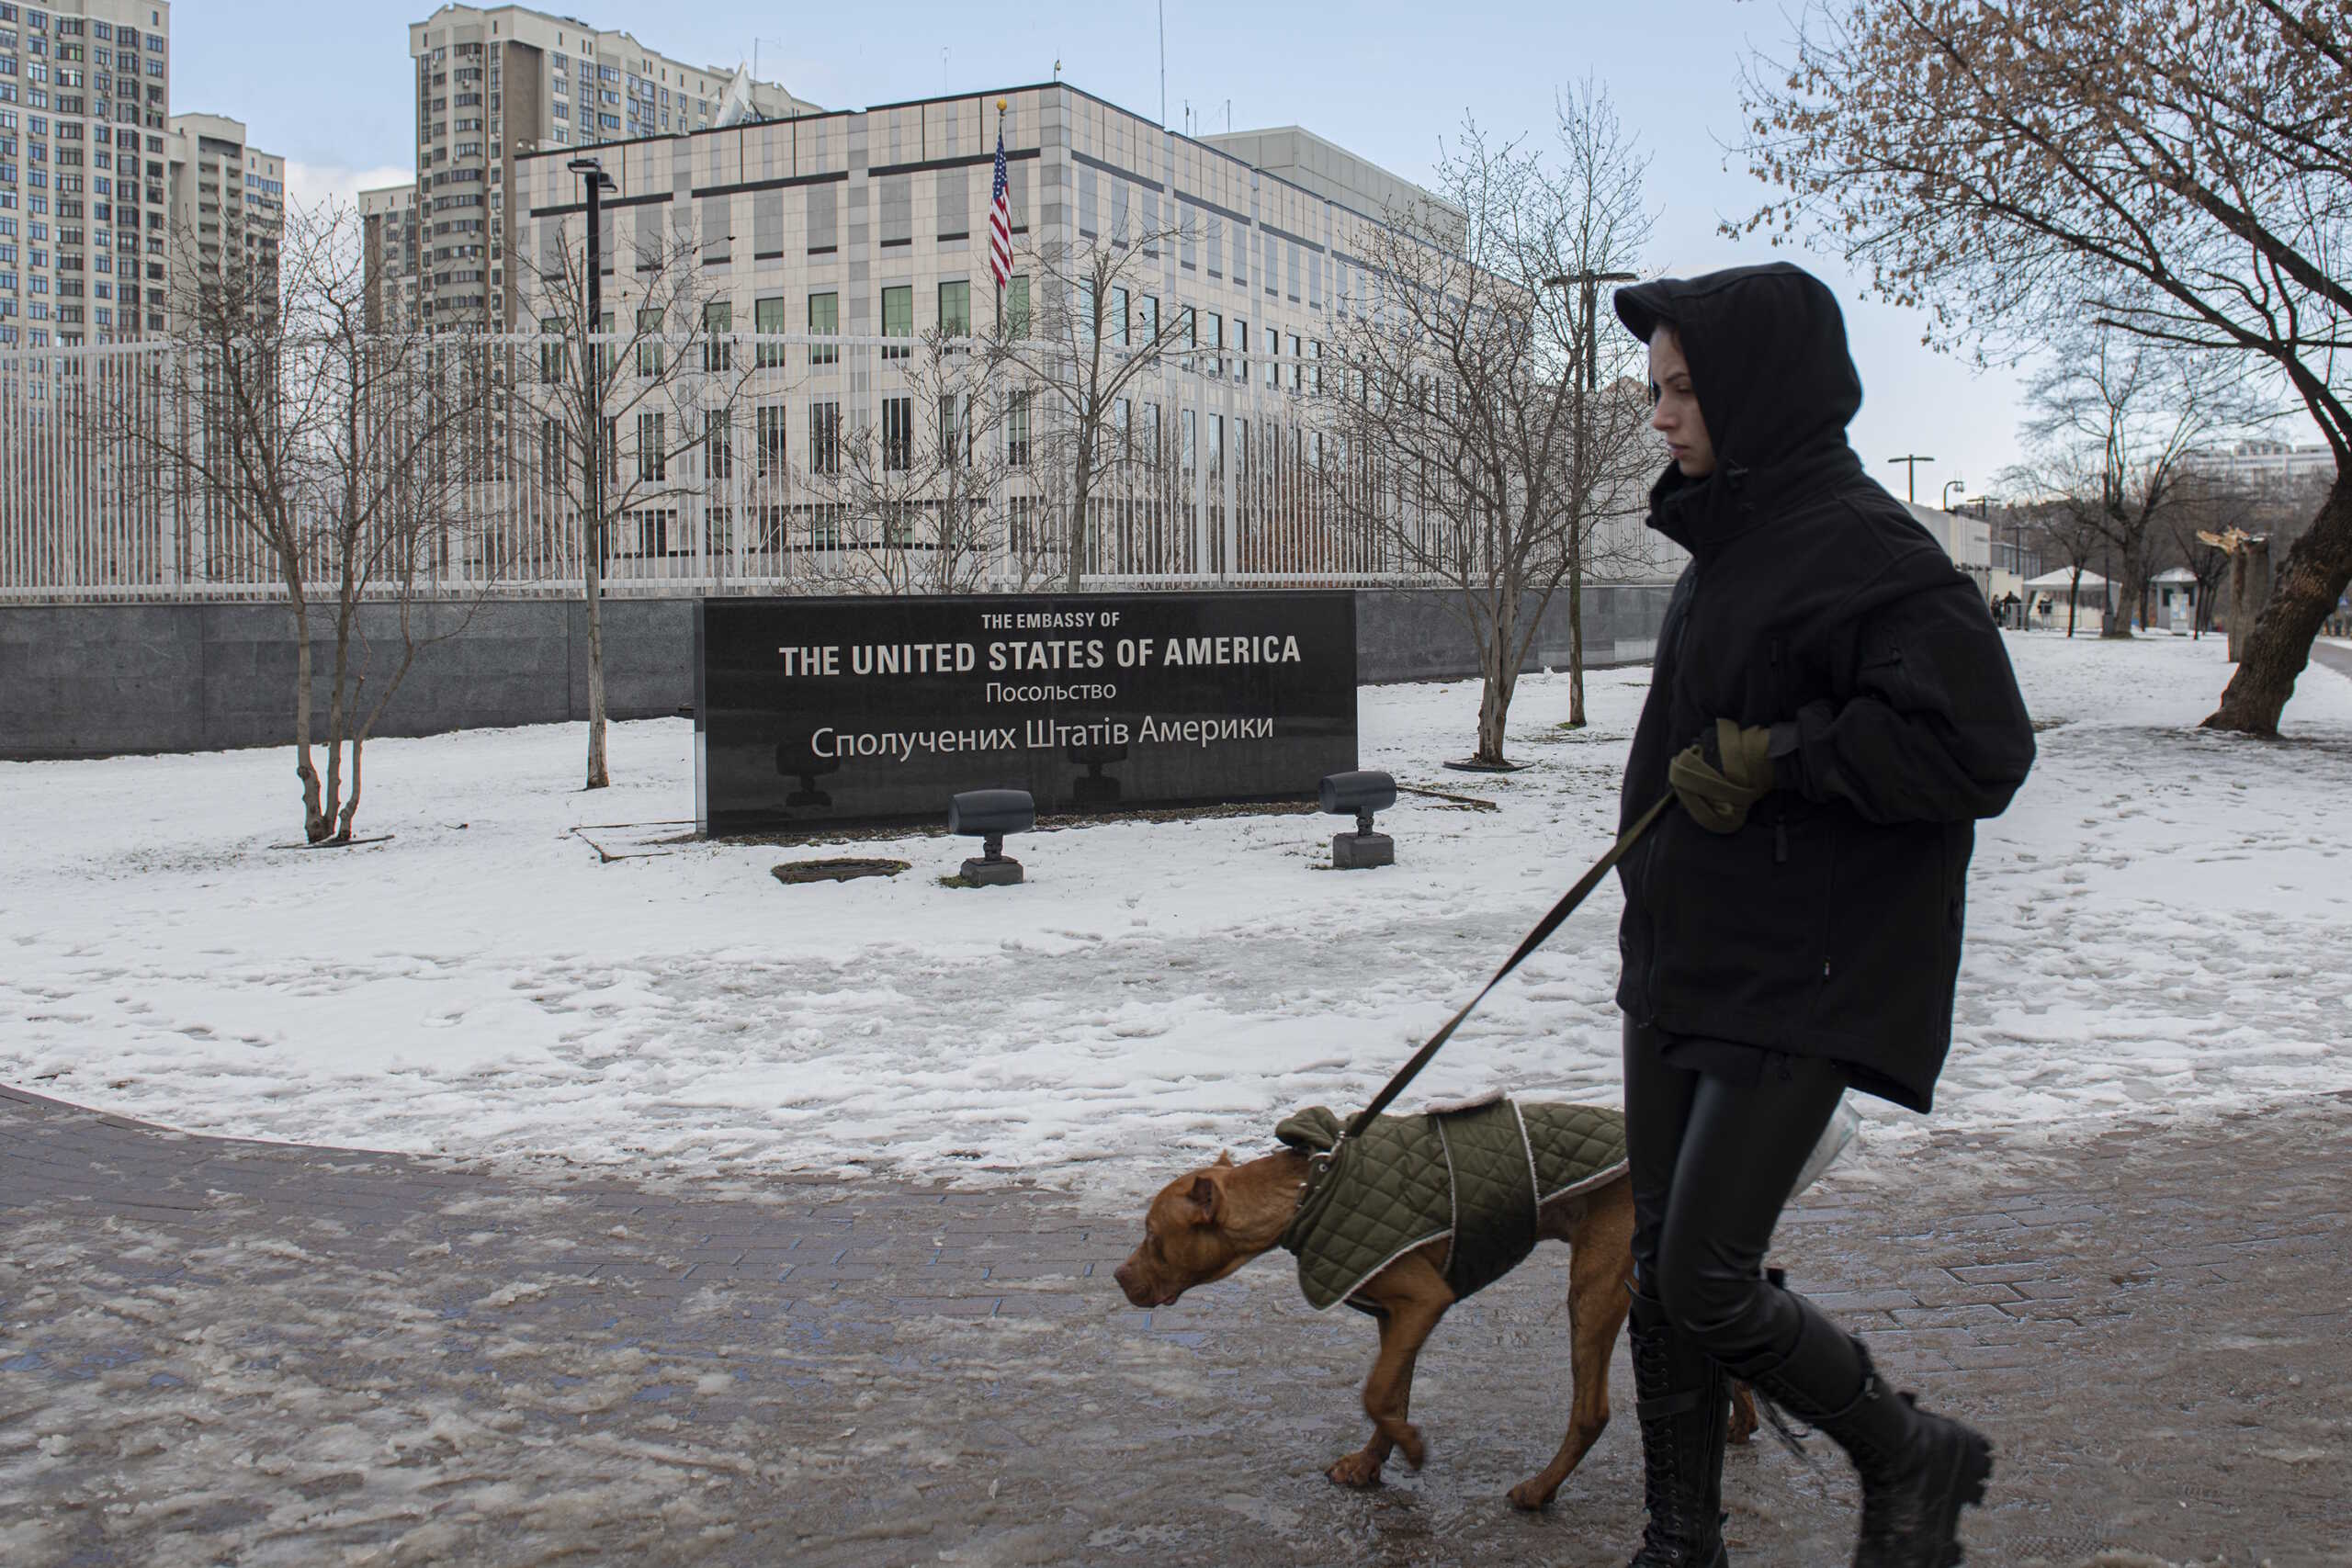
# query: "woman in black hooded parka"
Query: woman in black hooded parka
1834,709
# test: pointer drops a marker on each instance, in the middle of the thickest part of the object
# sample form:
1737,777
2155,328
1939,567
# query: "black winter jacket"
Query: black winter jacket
1830,925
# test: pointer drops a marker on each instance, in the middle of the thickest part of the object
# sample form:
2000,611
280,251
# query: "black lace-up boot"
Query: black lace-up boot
1918,1470
1684,1407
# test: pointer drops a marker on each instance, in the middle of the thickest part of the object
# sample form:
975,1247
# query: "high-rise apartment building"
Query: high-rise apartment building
493,83
85,96
389,230
227,198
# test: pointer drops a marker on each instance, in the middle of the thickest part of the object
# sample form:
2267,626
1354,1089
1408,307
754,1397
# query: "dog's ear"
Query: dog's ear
1203,1198
1224,1156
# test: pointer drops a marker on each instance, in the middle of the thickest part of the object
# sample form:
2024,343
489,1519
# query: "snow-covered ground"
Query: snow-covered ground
2160,922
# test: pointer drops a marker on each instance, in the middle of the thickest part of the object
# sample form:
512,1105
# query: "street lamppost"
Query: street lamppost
1912,460
591,174
1589,281
592,409
1949,486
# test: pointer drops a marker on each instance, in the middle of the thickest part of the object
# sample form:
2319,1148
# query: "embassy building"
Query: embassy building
874,224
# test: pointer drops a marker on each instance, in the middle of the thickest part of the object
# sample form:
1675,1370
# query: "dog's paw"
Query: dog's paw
1534,1495
1358,1469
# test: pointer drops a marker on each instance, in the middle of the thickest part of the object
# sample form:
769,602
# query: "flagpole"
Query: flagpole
999,528
999,277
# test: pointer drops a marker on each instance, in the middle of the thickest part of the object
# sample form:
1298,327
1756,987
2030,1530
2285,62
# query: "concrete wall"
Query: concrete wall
91,680
1420,634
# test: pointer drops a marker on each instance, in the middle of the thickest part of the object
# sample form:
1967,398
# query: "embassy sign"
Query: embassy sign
841,710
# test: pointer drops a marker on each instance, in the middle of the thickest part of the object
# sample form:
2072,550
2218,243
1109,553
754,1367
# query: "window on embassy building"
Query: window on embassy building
824,320
767,321
898,433
825,438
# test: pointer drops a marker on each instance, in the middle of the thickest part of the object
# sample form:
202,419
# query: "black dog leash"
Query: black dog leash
1534,939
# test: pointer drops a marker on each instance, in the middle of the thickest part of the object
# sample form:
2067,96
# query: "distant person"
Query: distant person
1834,709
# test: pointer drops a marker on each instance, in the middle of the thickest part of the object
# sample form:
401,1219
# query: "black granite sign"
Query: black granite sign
833,710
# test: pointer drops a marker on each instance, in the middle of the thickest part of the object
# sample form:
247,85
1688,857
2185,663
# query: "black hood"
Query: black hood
1767,350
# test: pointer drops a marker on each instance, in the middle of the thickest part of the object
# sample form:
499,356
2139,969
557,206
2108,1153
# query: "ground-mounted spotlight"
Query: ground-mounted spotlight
989,815
1359,795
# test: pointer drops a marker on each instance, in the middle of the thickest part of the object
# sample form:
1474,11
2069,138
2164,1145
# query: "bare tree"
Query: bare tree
334,458
1461,428
2177,167
1079,350
630,429
911,502
2116,418
2068,525
1595,201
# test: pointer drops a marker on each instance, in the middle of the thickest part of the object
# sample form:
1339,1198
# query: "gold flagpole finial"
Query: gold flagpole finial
1000,105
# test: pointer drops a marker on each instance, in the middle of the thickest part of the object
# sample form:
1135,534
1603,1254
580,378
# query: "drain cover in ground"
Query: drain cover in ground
837,870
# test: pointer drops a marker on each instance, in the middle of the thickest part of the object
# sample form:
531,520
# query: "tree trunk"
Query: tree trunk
2249,591
2073,597
2130,598
1081,491
339,709
1501,673
1575,632
316,825
597,777
351,801
2279,644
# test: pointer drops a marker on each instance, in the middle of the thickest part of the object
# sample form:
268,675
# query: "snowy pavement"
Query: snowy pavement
258,1354
2158,926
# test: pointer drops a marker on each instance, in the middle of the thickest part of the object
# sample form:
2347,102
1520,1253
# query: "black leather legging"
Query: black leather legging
1712,1163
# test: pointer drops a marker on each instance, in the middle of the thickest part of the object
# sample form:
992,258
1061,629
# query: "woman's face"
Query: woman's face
1674,411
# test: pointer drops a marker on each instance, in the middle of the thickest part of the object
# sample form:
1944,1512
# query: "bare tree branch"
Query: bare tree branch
1460,429
336,456
2178,168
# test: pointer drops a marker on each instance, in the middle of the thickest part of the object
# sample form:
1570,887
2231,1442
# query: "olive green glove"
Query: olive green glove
1721,775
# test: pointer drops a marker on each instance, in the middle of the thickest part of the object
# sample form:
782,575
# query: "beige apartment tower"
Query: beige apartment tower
227,198
84,96
493,83
389,230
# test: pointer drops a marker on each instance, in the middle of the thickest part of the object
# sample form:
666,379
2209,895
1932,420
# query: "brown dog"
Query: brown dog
1205,1226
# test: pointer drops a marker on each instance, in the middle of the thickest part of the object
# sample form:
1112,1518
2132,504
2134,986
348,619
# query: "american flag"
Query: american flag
1001,217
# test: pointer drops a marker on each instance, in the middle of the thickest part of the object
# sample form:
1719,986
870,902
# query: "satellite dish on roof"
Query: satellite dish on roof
735,105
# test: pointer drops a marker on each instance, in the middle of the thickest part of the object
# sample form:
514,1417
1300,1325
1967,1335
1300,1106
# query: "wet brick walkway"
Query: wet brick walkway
216,1351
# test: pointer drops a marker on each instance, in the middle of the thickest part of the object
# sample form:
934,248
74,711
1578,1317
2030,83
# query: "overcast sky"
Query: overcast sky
328,87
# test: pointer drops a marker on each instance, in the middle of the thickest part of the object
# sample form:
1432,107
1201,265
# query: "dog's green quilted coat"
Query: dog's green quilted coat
1476,1174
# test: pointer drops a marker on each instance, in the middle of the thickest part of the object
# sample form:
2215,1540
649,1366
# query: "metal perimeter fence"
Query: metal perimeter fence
736,463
